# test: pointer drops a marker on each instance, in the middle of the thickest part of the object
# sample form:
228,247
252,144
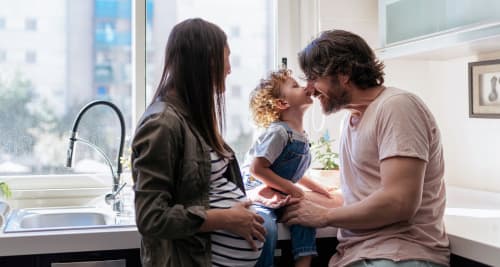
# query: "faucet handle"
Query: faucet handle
110,197
120,188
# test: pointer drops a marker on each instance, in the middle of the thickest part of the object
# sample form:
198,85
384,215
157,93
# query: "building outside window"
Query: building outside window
30,24
235,61
84,54
235,91
253,43
30,57
235,32
3,56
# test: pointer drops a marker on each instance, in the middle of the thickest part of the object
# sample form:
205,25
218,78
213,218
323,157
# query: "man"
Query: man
391,161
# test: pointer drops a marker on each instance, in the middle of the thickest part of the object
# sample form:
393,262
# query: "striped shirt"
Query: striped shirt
228,249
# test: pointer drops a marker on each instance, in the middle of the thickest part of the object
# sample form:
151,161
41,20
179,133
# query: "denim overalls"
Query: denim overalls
291,164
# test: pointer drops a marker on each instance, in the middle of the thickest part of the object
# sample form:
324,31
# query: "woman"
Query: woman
189,195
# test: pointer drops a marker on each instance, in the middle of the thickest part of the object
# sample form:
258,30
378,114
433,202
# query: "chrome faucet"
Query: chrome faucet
111,198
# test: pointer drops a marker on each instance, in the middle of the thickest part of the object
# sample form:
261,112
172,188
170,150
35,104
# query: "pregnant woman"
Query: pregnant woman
190,203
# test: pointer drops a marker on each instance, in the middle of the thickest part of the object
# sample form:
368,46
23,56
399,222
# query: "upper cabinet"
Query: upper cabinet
438,29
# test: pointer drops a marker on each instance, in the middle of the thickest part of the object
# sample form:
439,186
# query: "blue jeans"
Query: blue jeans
303,238
291,164
266,258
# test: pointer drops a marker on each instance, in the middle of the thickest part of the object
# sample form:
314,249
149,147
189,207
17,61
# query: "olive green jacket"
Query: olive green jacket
171,173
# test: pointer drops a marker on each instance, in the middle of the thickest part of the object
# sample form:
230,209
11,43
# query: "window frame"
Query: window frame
287,44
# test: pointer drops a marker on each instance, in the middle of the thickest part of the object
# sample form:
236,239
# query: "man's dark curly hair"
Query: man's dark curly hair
342,52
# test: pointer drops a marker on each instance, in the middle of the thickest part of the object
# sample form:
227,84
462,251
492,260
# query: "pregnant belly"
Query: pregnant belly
232,250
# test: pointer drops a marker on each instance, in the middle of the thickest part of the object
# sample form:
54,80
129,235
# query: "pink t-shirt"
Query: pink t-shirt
396,123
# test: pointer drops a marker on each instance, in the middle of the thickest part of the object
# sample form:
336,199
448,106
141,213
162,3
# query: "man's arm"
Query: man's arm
397,200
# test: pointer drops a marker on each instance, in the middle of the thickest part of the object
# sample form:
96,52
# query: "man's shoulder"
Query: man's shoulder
391,92
398,97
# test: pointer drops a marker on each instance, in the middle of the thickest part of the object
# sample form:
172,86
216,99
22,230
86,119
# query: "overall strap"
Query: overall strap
288,130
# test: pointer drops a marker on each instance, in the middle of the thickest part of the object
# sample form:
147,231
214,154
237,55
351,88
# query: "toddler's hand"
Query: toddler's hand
268,197
296,192
326,191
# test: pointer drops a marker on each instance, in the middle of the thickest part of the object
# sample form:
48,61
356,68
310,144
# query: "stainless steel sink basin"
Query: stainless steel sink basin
39,219
78,218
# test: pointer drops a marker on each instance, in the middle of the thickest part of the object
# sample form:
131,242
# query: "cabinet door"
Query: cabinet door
110,258
457,261
402,20
325,247
16,261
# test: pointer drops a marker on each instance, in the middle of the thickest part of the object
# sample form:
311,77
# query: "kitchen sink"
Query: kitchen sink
48,219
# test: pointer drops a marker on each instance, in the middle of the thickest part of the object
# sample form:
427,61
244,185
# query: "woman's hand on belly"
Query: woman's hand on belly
242,221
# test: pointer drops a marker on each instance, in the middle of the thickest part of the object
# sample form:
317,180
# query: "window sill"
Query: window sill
59,190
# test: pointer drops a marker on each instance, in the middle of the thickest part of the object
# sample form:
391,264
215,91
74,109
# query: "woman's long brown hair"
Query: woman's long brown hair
194,69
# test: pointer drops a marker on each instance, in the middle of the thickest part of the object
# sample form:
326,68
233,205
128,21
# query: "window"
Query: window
255,43
82,54
235,32
30,57
235,91
3,56
235,61
30,24
2,23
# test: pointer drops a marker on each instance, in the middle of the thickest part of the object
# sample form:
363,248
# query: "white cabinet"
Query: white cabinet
438,28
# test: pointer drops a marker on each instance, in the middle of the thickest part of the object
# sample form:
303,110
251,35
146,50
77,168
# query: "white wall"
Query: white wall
358,16
471,145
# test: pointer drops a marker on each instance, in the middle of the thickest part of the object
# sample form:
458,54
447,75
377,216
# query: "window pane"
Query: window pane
251,36
30,24
2,23
60,55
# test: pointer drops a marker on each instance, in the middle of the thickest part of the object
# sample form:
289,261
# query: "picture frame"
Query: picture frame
484,89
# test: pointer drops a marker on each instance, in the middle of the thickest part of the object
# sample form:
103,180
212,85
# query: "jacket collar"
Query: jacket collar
178,104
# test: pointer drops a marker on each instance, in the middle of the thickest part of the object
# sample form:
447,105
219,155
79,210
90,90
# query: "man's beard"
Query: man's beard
335,102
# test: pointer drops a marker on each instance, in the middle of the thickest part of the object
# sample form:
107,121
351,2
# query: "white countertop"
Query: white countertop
472,221
112,238
46,242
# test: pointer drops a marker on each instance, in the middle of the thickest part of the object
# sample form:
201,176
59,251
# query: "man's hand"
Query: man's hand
306,213
268,197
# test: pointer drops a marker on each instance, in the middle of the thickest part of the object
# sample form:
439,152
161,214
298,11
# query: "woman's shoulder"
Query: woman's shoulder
161,116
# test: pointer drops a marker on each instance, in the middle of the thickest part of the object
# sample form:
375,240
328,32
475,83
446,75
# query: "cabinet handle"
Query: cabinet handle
106,263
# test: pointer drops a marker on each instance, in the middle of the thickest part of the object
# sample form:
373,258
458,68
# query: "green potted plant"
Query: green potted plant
325,160
4,190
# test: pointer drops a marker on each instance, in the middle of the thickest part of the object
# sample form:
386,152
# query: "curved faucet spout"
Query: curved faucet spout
73,138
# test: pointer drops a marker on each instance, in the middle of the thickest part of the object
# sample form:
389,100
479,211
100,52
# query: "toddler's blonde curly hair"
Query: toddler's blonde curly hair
264,98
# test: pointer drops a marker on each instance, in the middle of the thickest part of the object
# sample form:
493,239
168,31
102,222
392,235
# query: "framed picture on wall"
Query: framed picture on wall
484,87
